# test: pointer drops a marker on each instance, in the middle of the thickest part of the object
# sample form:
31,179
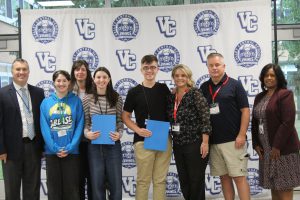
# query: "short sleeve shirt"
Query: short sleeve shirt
231,98
147,103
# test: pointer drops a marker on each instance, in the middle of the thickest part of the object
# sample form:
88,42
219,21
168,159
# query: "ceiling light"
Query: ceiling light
55,3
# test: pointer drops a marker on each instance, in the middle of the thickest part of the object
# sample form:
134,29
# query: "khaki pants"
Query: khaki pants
151,165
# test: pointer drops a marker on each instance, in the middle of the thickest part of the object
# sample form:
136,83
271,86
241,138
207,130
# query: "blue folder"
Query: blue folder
159,139
105,124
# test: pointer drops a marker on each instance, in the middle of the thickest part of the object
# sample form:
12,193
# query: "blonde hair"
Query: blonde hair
187,71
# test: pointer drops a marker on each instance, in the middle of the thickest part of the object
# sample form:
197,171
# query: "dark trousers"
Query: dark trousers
84,178
191,170
27,170
105,163
62,177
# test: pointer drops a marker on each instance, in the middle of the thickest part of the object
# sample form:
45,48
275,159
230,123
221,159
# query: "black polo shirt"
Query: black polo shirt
231,98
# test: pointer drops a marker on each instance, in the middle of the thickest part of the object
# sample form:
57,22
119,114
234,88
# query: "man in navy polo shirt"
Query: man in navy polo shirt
229,115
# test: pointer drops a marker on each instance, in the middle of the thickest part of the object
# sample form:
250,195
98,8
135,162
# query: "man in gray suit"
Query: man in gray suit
21,142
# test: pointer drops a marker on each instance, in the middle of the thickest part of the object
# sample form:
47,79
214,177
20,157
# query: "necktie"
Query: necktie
28,116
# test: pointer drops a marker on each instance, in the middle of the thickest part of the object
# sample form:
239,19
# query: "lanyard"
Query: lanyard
26,104
177,103
213,95
148,109
101,108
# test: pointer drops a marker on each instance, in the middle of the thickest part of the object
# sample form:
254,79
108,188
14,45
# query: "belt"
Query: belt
27,140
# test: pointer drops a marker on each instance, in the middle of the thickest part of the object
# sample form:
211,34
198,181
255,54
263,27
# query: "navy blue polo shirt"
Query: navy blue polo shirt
231,98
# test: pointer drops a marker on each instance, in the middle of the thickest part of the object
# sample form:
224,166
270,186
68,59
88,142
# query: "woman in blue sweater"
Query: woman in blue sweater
62,122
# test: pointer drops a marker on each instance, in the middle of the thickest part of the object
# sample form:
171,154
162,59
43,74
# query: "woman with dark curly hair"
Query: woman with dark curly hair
274,135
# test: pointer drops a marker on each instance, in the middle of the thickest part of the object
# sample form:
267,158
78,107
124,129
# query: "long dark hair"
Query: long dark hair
88,82
281,81
111,95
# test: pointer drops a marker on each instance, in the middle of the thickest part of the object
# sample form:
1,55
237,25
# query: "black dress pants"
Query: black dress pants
26,171
191,170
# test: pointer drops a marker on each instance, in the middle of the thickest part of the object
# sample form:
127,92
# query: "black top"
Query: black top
136,101
231,98
192,115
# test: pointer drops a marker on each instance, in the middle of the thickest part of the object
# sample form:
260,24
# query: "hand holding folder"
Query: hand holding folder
159,139
105,124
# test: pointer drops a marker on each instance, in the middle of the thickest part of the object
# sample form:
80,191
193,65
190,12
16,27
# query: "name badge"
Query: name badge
61,133
176,129
214,108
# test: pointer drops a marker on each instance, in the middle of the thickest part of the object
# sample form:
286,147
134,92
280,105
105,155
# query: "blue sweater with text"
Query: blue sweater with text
62,122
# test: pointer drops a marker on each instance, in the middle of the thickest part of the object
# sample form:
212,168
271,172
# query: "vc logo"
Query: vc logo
204,51
126,59
85,28
248,21
46,61
251,85
166,26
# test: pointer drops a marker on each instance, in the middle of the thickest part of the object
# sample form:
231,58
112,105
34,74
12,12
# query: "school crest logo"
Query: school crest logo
173,186
202,79
206,23
89,55
125,27
168,56
247,53
128,159
253,180
123,85
47,86
45,29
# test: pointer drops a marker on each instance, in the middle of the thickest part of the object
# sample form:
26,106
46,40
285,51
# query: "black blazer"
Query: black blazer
11,127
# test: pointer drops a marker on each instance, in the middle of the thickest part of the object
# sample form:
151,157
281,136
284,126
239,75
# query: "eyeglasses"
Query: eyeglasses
146,68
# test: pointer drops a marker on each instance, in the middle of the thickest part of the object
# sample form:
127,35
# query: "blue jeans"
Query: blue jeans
105,163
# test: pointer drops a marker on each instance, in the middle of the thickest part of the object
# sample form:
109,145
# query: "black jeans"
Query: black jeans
191,170
84,179
62,177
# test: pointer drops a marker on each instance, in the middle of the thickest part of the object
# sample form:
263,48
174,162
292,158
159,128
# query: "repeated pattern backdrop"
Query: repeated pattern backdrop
119,37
